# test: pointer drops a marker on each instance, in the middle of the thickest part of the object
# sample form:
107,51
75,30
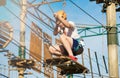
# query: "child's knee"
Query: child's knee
50,49
62,37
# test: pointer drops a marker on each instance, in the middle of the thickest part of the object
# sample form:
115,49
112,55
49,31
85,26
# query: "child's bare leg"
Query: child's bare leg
55,50
67,44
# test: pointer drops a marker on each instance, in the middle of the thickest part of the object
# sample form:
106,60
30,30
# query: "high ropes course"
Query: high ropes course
25,57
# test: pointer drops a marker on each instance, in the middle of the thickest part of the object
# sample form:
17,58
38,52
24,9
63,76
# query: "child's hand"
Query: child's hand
55,15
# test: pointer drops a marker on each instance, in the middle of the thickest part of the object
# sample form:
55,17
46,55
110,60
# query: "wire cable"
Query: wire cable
86,12
50,7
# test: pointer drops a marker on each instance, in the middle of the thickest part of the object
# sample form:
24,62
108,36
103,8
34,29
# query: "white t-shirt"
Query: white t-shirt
73,32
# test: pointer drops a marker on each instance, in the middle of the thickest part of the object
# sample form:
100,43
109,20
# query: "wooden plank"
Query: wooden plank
4,33
36,42
47,71
2,42
22,63
5,29
36,46
58,42
5,26
67,66
56,61
3,37
1,46
37,66
58,74
36,30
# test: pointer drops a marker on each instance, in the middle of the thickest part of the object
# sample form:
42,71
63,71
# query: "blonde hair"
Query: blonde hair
62,14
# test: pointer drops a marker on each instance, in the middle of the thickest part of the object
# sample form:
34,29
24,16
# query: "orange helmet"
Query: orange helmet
62,14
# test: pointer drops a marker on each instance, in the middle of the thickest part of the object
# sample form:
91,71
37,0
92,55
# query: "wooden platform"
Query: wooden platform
67,66
25,63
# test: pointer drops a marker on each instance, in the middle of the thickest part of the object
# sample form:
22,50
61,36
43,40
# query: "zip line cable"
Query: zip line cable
39,19
86,12
3,75
107,28
45,39
50,7
37,14
44,14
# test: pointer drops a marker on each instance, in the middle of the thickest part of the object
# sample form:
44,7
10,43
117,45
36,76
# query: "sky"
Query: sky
96,43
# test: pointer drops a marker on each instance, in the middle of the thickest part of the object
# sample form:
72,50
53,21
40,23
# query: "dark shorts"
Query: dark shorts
75,45
76,48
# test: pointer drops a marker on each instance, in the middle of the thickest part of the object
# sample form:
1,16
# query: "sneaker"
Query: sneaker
73,58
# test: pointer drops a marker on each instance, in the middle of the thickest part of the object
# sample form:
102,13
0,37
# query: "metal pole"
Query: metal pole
112,40
83,63
22,36
97,64
22,30
90,62
105,64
